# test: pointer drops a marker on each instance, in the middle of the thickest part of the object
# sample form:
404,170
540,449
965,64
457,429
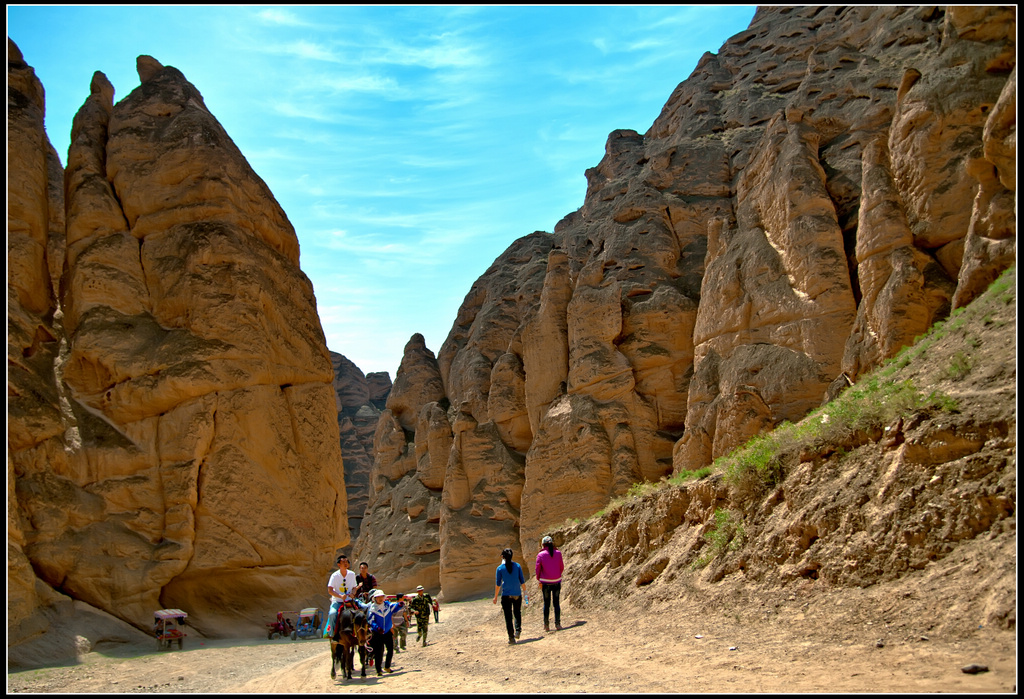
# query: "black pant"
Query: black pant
551,592
379,641
512,606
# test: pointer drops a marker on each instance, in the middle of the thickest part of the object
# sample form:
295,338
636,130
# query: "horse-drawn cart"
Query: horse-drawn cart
168,625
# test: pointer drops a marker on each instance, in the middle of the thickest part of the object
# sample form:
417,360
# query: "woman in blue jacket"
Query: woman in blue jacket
379,613
508,581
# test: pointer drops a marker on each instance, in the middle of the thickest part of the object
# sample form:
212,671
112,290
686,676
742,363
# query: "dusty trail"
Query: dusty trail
667,650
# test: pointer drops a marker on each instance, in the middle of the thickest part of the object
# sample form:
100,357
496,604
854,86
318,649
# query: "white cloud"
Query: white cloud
359,83
302,49
291,109
447,52
281,18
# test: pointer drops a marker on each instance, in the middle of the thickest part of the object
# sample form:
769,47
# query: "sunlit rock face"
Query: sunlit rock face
190,455
813,197
399,533
35,425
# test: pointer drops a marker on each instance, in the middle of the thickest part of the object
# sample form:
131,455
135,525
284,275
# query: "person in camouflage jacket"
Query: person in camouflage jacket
422,606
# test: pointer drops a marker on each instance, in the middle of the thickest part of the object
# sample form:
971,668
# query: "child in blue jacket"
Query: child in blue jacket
380,614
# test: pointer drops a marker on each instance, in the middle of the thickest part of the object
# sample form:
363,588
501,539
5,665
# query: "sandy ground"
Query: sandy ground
668,650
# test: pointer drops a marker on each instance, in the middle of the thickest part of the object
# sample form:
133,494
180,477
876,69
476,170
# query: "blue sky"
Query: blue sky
409,145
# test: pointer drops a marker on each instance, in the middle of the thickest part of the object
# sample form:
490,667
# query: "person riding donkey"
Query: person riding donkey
365,583
340,586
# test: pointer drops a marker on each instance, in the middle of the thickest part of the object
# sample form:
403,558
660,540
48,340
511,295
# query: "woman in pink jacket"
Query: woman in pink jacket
549,573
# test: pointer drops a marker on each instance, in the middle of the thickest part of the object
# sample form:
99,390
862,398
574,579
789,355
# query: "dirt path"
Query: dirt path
796,651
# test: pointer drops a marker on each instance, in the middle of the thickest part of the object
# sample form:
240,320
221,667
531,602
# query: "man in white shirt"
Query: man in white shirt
339,587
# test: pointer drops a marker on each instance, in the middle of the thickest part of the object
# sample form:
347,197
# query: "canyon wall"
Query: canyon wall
173,433
813,197
360,398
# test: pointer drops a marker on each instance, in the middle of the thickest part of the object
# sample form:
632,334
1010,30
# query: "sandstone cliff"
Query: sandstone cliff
811,199
173,435
917,517
360,399
399,536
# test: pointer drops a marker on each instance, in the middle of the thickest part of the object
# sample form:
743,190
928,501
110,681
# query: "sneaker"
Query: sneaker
547,628
388,670
379,673
518,632
511,641
558,627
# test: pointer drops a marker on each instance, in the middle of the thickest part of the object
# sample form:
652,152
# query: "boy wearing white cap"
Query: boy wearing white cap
379,613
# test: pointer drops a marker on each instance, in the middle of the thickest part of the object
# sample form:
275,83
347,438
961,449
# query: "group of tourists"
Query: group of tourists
509,579
388,620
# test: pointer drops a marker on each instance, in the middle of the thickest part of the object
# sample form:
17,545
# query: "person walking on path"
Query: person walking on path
437,608
379,613
549,574
401,624
340,586
421,605
508,582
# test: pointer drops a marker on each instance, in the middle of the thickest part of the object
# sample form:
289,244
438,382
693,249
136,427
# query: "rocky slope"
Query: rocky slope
921,513
811,199
172,427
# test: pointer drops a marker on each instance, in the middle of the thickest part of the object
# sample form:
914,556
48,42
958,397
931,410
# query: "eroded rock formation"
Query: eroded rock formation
399,533
35,427
811,199
183,449
360,400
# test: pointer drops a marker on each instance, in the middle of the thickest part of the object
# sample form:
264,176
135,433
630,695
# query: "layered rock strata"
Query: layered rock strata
810,199
190,454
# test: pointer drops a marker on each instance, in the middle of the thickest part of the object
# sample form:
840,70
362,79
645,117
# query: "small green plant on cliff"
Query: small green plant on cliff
638,490
726,534
959,366
684,476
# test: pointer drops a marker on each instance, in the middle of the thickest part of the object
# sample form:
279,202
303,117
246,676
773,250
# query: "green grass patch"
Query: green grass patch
726,534
684,476
959,366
